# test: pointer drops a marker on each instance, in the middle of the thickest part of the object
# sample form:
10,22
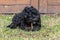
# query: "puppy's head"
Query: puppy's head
27,9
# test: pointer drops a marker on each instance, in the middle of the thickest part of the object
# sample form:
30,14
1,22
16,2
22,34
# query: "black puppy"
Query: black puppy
28,19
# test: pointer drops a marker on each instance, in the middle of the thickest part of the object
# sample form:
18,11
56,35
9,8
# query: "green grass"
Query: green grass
50,29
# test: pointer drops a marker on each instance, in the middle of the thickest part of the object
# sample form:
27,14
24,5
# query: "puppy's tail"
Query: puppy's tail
9,26
12,26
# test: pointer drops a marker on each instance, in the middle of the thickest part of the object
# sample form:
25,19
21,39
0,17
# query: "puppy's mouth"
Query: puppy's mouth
29,26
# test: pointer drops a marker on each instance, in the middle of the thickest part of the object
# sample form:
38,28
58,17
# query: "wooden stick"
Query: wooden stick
31,26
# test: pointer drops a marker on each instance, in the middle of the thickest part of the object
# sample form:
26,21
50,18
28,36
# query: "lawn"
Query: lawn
50,29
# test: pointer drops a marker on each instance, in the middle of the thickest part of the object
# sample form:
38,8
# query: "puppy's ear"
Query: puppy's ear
31,6
25,8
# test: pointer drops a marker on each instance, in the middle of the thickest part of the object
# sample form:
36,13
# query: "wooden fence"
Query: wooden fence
44,6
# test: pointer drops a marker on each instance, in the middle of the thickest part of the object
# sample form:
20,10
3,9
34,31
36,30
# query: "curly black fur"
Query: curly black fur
28,19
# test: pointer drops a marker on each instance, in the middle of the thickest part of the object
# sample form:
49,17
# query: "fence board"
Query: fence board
13,6
49,6
9,2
